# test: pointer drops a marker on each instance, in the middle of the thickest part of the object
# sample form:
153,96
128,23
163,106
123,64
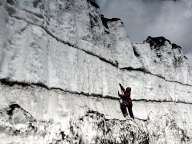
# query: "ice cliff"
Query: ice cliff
60,65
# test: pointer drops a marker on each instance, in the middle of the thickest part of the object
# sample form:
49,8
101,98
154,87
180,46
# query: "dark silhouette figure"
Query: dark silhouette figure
125,101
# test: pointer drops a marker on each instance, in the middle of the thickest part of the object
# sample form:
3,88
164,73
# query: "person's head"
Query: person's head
128,90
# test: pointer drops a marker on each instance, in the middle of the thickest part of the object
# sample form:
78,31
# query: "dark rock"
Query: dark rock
175,46
10,10
36,3
136,52
12,107
106,20
93,3
156,42
8,82
11,2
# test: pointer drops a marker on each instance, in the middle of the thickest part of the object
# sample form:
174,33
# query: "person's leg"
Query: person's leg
130,111
123,109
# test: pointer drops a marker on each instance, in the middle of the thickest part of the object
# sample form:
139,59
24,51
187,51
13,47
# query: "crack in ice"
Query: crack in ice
11,83
60,40
150,73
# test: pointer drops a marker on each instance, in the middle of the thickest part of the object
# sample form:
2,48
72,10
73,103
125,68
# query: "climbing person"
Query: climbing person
125,101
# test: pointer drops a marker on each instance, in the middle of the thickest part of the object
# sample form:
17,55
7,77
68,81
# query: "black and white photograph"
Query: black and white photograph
95,71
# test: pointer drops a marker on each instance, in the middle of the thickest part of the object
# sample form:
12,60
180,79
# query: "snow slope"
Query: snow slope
60,58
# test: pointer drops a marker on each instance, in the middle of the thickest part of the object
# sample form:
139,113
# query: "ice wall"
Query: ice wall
60,58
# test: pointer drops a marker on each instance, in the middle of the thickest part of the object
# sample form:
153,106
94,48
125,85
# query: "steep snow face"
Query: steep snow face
33,56
32,52
60,58
78,23
29,26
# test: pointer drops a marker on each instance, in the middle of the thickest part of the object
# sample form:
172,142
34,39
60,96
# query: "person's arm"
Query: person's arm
122,88
120,95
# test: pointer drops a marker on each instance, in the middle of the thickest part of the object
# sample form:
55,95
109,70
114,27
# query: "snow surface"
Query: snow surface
55,109
58,60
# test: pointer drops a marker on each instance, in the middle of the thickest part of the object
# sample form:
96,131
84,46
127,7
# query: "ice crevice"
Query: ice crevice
96,95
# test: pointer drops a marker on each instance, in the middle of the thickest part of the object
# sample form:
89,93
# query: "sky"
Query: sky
169,18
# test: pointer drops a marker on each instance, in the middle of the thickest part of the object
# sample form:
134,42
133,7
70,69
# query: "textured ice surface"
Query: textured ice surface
59,59
19,126
92,127
163,121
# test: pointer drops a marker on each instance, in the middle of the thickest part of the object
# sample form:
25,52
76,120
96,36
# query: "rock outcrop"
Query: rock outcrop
90,128
164,59
60,58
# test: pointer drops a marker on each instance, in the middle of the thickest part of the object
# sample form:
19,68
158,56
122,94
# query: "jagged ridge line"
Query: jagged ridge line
25,84
101,58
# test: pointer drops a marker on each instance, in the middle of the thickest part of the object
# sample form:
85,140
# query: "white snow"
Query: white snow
64,45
